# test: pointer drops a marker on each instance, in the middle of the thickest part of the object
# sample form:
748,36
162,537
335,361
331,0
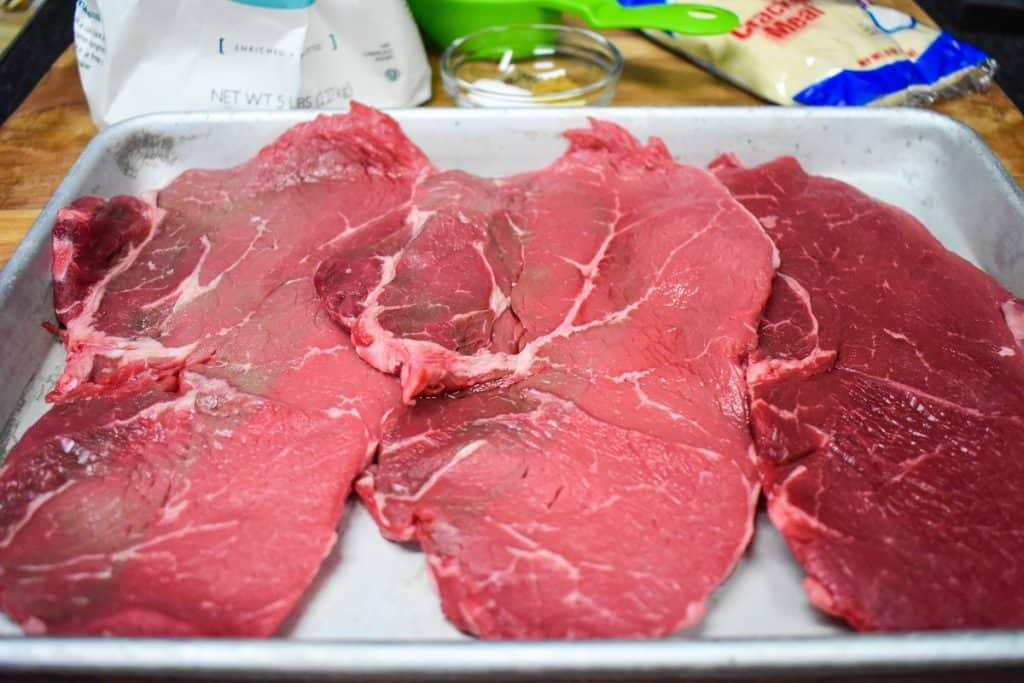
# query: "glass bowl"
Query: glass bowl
531,65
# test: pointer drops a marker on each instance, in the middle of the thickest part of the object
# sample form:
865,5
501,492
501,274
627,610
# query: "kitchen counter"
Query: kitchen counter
41,140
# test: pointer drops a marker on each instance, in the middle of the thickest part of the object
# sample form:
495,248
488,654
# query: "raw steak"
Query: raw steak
887,397
211,418
597,480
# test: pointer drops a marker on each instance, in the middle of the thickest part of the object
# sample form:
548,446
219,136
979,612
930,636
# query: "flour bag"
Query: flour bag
833,52
141,56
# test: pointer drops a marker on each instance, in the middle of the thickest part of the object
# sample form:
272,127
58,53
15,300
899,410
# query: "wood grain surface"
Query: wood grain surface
42,139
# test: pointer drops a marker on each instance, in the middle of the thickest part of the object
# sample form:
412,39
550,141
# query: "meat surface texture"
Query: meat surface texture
887,399
594,477
211,417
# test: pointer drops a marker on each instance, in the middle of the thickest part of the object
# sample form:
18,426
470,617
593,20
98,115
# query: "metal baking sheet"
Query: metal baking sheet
372,610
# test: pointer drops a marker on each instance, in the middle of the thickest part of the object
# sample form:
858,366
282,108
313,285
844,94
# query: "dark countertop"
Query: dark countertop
996,28
40,42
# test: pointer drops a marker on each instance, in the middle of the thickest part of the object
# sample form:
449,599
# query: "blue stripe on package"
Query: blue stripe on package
944,58
832,53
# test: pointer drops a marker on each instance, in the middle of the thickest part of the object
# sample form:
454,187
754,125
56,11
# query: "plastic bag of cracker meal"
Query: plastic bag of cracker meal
140,56
833,52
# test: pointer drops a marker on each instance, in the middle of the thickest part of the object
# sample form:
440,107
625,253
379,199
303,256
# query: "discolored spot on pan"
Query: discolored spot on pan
142,148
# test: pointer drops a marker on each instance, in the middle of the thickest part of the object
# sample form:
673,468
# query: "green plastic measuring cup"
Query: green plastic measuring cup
445,20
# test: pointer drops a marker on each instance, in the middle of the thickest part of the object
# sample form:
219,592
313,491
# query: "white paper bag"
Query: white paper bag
141,56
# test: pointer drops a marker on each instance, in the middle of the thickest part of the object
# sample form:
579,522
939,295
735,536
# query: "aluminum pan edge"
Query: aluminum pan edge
39,231
245,659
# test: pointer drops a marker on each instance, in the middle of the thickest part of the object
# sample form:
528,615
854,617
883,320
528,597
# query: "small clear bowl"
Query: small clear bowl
531,65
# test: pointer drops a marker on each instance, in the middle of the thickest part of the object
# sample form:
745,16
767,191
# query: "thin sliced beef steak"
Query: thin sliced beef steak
211,417
887,398
596,479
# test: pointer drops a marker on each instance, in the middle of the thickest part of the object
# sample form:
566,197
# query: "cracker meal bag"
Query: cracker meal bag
833,52
140,56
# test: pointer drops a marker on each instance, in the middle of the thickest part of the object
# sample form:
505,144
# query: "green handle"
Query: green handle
689,19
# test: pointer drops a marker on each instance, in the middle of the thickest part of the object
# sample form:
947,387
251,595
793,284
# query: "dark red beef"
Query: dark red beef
888,408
